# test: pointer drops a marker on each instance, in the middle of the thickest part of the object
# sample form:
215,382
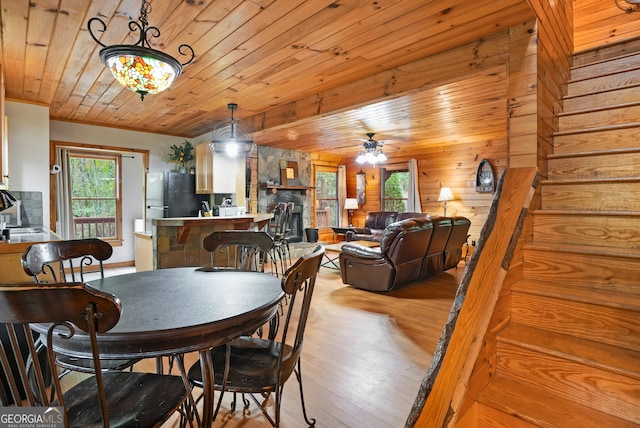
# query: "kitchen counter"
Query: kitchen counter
11,252
259,220
21,238
177,242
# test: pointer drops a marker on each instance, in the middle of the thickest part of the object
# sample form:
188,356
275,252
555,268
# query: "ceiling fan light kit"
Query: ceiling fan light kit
372,151
139,67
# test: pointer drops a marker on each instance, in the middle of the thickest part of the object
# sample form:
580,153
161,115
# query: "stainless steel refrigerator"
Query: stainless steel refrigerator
172,194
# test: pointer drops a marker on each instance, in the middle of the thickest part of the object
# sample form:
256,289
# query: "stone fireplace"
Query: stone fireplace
270,191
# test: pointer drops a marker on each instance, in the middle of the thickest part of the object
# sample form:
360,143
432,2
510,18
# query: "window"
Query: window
326,197
395,191
95,195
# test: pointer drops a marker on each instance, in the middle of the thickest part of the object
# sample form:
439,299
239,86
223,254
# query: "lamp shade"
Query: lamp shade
232,137
445,194
139,67
351,204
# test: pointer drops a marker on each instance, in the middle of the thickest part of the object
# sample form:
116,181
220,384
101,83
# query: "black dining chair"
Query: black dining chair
288,230
256,366
103,398
243,250
68,261
277,229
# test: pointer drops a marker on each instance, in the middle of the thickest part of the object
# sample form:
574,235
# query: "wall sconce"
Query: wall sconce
350,204
484,177
445,195
628,5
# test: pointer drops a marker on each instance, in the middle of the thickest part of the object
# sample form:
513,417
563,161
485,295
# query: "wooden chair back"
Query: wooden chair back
60,312
278,224
66,260
244,250
67,308
298,283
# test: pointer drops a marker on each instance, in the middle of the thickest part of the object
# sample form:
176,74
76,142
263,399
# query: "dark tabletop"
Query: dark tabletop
182,310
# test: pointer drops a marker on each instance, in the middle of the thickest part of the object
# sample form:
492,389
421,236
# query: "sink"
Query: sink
25,230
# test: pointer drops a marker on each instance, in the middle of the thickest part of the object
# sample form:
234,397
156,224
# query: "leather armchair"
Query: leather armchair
397,261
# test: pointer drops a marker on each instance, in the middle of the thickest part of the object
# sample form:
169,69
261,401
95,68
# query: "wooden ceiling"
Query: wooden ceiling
262,55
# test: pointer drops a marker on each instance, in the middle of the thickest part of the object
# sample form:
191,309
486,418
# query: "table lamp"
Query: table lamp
445,195
350,204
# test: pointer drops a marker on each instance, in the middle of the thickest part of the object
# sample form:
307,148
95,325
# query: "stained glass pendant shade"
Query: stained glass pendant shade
139,71
139,67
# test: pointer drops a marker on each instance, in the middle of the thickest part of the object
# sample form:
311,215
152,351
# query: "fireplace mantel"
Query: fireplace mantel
275,187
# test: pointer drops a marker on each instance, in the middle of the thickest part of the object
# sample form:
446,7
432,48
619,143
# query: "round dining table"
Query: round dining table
179,310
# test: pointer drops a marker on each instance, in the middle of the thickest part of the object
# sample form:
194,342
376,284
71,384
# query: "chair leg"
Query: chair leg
311,422
190,409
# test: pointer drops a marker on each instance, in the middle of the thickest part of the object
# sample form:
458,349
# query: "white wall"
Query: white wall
28,146
29,133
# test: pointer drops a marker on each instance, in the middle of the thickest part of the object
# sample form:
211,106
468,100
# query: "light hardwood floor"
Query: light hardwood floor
364,356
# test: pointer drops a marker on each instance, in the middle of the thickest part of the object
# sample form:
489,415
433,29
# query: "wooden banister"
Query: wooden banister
445,383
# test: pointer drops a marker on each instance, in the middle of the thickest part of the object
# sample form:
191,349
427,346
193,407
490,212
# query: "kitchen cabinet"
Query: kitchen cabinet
144,252
216,173
204,169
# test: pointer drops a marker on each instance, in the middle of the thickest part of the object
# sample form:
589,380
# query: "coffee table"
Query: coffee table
332,252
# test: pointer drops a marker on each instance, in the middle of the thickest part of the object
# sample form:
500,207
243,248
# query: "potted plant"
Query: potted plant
181,155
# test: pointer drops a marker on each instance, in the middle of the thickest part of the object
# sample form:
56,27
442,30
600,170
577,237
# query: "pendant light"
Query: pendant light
232,137
139,67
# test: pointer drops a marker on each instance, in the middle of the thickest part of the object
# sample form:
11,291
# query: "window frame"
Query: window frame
326,169
385,174
117,158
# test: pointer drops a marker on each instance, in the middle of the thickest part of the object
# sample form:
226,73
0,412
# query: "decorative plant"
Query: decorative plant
181,154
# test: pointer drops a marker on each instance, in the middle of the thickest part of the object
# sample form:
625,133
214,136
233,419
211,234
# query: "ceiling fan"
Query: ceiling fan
372,151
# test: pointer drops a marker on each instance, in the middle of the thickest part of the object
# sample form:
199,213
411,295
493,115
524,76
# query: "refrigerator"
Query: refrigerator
172,194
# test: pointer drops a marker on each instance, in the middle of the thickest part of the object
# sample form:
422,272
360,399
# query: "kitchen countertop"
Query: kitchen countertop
18,242
184,221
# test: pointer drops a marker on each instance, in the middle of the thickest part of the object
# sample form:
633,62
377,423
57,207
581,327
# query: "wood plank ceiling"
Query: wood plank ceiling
261,54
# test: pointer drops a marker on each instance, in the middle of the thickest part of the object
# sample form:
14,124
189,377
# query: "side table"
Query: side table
344,230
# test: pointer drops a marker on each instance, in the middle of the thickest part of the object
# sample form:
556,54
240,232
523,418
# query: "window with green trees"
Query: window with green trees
396,190
95,195
326,197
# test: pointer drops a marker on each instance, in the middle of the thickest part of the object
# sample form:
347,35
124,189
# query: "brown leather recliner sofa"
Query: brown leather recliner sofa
409,250
375,222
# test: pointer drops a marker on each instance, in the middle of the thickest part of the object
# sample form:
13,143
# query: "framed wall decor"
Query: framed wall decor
484,177
289,173
361,187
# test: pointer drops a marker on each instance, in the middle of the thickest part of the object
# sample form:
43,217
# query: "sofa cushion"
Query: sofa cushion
376,222
457,238
434,257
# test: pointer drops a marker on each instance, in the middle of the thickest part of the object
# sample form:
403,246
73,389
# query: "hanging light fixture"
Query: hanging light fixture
628,5
372,151
138,67
233,137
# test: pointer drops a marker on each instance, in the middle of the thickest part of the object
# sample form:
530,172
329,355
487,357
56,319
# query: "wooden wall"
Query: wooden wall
540,60
453,166
601,22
